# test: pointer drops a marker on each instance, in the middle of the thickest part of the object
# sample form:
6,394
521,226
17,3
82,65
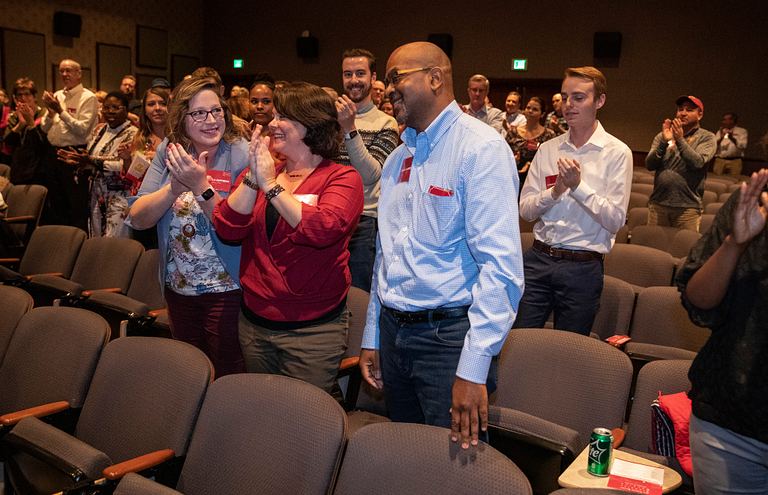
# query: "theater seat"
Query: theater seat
544,407
258,433
144,399
388,458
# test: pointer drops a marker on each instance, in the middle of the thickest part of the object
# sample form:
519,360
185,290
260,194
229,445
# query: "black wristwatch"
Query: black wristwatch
207,194
352,134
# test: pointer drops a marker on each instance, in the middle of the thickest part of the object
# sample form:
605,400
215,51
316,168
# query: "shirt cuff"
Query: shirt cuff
65,116
370,338
581,192
473,367
548,200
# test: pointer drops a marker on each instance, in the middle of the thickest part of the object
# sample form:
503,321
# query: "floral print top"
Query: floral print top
193,266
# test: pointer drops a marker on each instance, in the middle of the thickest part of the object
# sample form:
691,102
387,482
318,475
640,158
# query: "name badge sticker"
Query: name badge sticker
405,170
220,180
550,180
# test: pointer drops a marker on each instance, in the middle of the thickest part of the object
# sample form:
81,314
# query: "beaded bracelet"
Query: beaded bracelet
248,182
274,192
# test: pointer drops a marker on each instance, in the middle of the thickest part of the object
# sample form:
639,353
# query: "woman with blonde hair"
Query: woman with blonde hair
194,169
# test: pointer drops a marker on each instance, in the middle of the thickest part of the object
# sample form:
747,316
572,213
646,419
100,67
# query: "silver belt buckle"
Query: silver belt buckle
552,251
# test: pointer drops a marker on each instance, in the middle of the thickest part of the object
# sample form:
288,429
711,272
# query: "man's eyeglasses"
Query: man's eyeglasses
111,109
396,76
202,115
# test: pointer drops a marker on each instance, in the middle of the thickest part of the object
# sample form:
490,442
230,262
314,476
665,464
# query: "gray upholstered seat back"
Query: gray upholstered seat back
386,458
51,357
14,303
145,284
52,249
107,262
661,319
266,434
665,376
565,378
145,396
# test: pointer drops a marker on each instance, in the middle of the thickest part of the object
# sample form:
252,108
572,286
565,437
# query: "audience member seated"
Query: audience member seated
526,139
109,187
201,276
295,277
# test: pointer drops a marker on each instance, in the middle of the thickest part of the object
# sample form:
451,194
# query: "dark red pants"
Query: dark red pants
209,322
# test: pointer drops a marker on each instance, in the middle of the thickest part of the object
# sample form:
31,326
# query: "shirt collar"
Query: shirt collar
370,106
74,91
420,145
597,139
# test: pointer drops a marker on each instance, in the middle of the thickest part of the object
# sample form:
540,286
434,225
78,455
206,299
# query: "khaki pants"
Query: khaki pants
729,165
672,216
312,354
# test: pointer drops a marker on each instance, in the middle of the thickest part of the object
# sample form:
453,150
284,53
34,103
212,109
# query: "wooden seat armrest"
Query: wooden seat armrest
618,437
157,312
31,277
21,219
9,261
11,419
349,363
116,290
138,464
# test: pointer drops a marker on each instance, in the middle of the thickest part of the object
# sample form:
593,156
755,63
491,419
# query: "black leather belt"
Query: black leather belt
567,254
412,317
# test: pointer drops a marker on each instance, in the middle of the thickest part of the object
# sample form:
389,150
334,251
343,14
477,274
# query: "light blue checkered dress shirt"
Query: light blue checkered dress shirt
449,236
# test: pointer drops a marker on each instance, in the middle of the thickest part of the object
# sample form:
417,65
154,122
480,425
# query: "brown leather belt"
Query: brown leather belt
567,254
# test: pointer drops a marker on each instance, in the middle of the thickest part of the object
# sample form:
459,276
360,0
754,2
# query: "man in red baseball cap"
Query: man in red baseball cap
679,155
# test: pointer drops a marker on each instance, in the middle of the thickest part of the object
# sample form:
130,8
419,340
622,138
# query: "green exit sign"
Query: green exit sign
520,64
238,63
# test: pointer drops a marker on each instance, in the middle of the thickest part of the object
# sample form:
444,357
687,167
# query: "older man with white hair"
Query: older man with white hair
73,112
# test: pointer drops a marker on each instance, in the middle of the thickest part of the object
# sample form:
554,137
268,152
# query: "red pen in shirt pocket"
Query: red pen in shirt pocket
439,191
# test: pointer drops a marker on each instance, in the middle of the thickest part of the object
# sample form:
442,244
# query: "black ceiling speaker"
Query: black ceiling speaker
607,45
66,24
307,46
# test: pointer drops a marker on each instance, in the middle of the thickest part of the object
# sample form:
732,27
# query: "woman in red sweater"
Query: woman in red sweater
294,220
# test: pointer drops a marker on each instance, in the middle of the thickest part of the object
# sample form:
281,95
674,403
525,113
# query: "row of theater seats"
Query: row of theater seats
113,276
148,405
152,399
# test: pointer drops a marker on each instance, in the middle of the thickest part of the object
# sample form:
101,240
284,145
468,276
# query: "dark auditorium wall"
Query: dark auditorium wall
716,51
111,22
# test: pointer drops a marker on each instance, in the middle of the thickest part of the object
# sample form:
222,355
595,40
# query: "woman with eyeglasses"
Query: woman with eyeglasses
192,171
526,139
109,186
295,219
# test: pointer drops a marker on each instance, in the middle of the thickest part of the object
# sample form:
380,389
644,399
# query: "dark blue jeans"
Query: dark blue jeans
418,367
362,252
571,288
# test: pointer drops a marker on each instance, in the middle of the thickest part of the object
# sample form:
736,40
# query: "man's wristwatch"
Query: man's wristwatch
207,194
352,134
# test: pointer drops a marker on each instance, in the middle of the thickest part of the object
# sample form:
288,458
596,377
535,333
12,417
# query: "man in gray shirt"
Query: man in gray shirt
679,155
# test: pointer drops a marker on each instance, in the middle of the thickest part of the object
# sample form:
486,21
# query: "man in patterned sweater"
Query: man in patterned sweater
370,135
